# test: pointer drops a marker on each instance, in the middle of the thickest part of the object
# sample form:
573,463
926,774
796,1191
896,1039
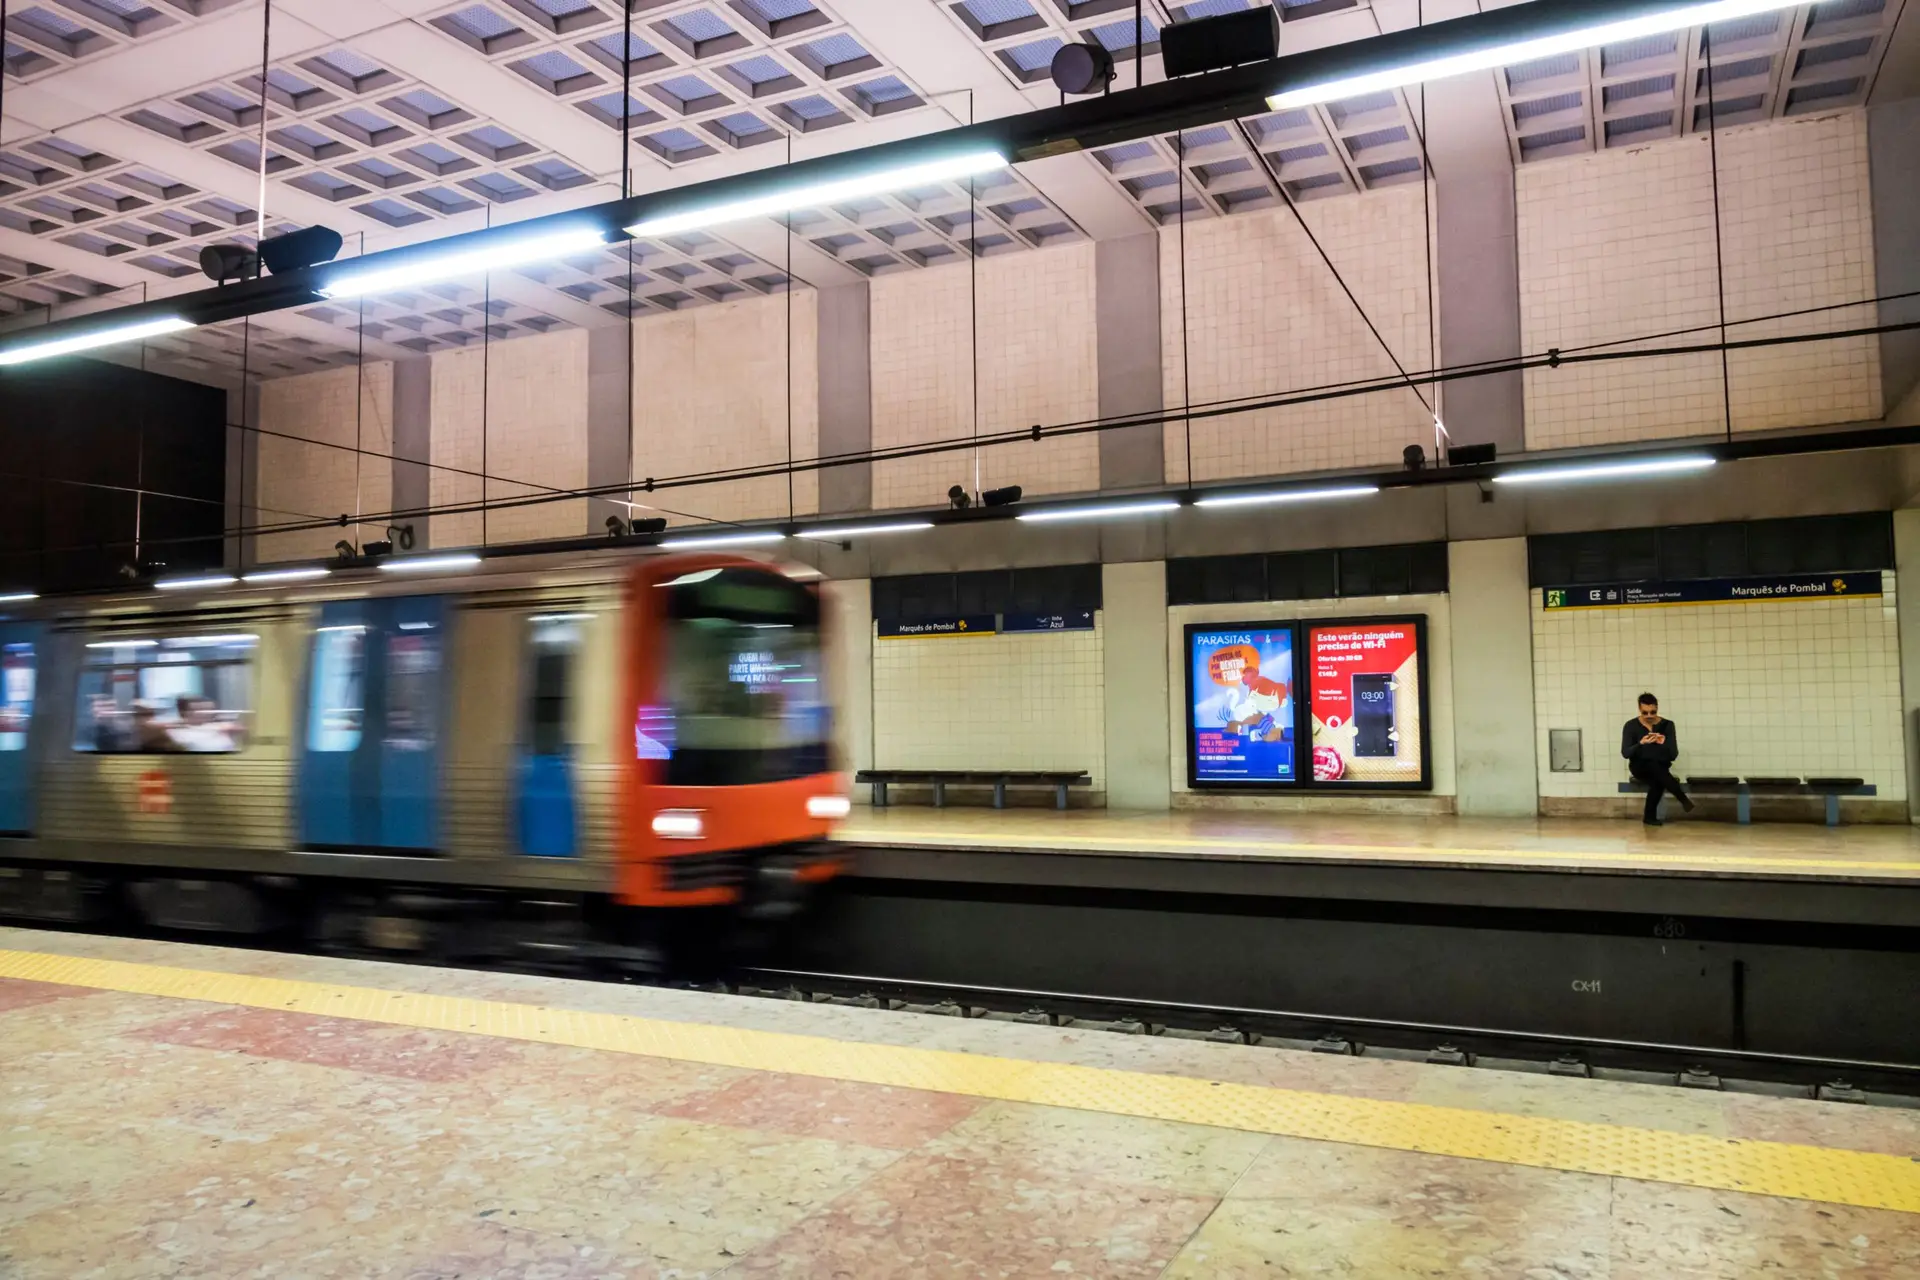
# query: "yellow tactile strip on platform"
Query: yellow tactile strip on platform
1865,1179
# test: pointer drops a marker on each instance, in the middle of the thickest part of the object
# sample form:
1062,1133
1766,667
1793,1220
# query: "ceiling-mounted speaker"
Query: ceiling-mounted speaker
224,262
307,247
1208,44
1082,68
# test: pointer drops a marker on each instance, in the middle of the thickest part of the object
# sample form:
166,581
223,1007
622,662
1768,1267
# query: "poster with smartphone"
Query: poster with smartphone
1242,721
1367,702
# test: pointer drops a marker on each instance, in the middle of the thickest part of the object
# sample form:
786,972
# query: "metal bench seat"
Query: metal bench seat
1744,789
998,779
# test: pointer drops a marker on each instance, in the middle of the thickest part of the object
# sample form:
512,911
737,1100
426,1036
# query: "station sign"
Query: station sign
1072,620
1632,595
979,624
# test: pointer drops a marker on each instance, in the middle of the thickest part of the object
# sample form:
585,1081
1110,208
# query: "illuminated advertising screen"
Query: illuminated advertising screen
1367,702
1242,712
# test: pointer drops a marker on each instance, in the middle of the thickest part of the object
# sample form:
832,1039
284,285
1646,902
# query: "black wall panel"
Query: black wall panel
79,440
1677,553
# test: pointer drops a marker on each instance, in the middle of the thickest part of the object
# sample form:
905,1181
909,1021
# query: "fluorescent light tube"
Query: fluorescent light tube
1275,496
430,564
721,540
189,641
426,267
865,530
187,584
50,347
123,644
540,618
19,597
1106,511
284,575
1604,470
1509,52
831,191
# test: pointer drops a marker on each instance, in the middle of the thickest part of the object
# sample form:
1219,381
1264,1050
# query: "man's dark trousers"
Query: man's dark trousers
1659,777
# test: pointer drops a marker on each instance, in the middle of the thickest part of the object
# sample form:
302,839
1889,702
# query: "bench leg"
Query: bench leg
939,795
1000,795
1060,796
1833,809
1743,808
879,795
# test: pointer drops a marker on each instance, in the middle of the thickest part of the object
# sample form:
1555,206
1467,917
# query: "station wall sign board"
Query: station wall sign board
1072,620
1635,595
979,624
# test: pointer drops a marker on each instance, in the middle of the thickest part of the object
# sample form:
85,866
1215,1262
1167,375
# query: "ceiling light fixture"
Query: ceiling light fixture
19,597
50,347
865,530
186,642
785,200
1573,36
721,540
1605,470
123,644
283,575
420,268
1274,497
1105,511
430,564
188,584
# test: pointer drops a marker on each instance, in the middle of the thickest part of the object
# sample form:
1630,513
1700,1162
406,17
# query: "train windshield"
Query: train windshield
742,682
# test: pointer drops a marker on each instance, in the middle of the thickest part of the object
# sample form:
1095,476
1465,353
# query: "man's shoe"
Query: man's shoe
1653,822
1686,803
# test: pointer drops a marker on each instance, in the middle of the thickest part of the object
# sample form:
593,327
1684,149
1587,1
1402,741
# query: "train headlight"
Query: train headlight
828,808
679,824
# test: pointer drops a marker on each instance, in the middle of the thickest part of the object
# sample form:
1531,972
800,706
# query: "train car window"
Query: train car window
175,694
556,646
413,679
742,679
339,697
16,694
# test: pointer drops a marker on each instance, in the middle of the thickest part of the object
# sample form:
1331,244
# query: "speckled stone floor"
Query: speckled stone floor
143,1136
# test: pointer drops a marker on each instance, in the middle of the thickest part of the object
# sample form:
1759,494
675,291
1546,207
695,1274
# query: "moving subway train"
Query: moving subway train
455,757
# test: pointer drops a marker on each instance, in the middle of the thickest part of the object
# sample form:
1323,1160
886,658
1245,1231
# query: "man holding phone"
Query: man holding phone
1650,745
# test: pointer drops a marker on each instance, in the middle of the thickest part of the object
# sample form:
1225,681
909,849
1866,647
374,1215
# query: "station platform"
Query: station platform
1768,870
169,1109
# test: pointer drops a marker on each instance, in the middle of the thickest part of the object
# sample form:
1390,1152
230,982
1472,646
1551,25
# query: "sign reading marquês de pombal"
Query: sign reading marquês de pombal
1623,595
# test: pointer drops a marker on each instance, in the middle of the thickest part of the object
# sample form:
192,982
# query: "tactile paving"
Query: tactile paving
1865,1179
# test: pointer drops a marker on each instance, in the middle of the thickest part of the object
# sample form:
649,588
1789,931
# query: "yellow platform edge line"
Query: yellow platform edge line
1863,1179
1667,857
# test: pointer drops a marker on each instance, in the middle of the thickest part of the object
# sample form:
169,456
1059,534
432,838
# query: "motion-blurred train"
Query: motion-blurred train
445,756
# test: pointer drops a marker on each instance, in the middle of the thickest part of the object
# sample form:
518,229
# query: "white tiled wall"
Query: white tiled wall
1438,612
991,702
1262,315
1801,688
1621,245
720,387
348,408
1032,315
529,397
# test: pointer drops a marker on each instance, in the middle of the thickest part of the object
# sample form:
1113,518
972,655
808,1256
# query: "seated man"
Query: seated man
1650,745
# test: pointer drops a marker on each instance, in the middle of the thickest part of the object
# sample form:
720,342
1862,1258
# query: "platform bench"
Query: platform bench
999,780
1743,791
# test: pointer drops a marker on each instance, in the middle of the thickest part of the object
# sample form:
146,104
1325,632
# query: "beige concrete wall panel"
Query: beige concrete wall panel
308,467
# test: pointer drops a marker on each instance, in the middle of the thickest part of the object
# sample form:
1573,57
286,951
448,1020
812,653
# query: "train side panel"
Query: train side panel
210,802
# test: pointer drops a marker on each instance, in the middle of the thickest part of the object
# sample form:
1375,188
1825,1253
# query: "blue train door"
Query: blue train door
19,656
546,817
370,767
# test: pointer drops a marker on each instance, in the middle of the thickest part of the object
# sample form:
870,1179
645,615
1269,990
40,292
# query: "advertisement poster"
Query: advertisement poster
1366,700
1241,684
